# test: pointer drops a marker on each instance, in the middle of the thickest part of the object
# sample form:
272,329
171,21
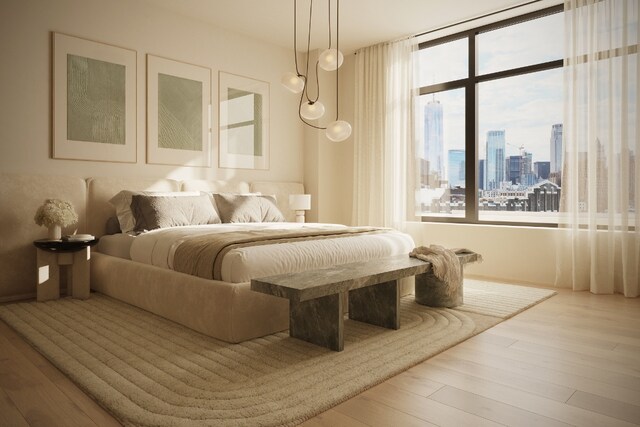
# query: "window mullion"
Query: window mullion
471,186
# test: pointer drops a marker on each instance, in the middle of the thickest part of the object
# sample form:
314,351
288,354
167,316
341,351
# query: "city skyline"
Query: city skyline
524,106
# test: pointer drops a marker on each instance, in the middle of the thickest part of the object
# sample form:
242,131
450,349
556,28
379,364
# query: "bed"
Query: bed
148,270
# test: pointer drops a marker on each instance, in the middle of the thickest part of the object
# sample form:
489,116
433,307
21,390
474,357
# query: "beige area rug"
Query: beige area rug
148,371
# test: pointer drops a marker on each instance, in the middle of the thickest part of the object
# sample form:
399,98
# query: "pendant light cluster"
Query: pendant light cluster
329,60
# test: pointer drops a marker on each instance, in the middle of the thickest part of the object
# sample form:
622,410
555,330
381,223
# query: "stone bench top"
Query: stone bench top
311,284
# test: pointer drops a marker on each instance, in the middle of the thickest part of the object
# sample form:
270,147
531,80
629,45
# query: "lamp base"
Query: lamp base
300,216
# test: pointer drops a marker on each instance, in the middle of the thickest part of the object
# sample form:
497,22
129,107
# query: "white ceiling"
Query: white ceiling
362,22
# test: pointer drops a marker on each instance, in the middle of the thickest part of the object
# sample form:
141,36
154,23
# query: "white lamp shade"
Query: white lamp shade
292,82
338,131
300,202
312,111
329,58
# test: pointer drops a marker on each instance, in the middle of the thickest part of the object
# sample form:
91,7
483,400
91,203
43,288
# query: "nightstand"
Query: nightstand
54,253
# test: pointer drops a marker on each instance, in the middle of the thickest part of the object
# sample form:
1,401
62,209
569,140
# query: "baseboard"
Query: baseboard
512,281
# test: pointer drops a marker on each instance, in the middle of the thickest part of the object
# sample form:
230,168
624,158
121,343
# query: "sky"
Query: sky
525,106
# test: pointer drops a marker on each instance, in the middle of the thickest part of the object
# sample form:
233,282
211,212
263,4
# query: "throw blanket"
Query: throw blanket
445,263
202,255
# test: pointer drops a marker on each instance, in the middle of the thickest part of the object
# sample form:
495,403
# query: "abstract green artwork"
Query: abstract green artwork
179,113
96,101
93,101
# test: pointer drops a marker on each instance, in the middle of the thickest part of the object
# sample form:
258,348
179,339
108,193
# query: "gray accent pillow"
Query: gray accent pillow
151,212
113,226
247,208
122,204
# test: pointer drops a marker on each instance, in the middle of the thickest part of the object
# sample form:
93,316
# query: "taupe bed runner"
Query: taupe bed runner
202,255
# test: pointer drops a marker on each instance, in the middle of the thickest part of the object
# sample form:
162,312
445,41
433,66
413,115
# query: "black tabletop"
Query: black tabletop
63,246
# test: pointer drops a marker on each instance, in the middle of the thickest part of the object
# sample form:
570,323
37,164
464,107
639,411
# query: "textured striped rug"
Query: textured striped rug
148,371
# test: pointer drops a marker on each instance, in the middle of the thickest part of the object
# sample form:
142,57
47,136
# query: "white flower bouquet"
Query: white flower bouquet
56,212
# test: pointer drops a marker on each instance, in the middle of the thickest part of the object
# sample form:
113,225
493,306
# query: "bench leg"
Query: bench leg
318,321
378,304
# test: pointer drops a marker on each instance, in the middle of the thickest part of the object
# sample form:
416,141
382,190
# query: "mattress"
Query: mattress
239,265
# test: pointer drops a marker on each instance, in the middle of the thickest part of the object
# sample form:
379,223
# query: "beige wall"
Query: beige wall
511,254
25,85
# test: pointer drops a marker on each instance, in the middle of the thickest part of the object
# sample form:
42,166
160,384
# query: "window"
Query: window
489,122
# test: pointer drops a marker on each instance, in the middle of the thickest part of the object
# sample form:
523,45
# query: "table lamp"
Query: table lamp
300,203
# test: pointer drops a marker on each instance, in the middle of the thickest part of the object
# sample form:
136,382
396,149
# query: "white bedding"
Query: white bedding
157,248
117,245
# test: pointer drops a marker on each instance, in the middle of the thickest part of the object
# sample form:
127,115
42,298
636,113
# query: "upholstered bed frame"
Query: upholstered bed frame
227,311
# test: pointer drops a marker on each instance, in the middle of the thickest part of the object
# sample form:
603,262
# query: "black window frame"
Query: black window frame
470,84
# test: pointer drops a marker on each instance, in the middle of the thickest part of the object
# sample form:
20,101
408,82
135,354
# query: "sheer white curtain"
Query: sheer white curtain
600,226
384,171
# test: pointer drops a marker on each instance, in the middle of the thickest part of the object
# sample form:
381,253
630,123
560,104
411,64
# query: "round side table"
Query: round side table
51,254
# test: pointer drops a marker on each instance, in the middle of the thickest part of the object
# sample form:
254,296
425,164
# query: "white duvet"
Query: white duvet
157,248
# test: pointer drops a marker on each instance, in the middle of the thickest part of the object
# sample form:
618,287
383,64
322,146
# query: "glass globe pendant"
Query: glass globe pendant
330,59
338,131
292,82
312,110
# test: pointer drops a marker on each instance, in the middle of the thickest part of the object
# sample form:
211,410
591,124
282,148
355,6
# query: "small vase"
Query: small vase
55,232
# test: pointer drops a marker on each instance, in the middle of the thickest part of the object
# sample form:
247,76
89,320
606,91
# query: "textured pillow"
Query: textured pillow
151,212
122,203
247,208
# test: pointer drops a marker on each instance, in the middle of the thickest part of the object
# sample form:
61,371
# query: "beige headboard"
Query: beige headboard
215,186
281,190
20,197
101,190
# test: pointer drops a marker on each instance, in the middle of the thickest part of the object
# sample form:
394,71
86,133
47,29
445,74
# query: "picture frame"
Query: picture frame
178,113
94,103
243,110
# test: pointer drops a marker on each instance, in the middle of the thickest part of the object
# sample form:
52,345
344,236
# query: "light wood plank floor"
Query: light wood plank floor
571,360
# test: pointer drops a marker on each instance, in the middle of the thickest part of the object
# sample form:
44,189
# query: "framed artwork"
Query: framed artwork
178,113
244,122
94,100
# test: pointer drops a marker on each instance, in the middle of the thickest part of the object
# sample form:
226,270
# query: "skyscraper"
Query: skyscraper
541,169
456,168
481,175
518,169
433,138
494,166
513,166
556,148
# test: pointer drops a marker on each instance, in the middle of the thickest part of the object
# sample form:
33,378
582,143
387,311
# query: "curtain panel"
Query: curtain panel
599,248
384,163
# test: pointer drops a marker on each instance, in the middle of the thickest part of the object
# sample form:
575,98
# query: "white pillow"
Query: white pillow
122,203
234,208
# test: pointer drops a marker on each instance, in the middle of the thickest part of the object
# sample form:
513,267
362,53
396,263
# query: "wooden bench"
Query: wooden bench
315,303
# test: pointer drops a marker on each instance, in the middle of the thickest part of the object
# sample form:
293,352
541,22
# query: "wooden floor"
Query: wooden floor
571,360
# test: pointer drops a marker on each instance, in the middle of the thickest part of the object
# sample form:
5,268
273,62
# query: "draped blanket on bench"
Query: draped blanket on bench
201,255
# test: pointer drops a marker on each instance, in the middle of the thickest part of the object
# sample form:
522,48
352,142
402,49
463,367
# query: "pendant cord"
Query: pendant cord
305,92
337,53
295,36
329,15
